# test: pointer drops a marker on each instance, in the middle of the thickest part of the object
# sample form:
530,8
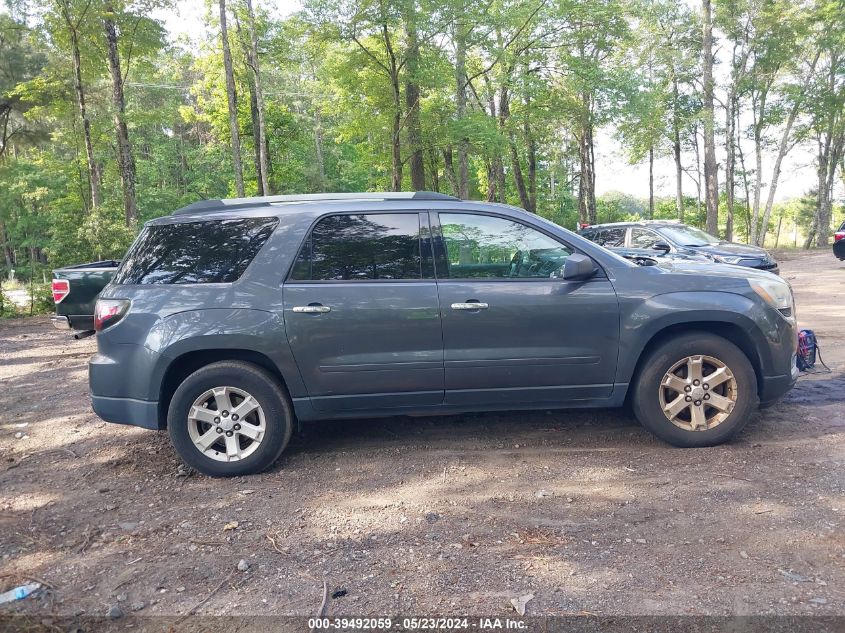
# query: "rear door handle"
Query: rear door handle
314,309
470,305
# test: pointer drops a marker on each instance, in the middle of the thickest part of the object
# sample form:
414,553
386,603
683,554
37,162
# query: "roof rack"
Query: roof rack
227,204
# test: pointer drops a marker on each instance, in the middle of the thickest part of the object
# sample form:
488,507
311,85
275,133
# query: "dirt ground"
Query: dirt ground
451,515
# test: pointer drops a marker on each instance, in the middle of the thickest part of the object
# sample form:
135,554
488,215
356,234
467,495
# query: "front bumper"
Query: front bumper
143,413
775,387
768,268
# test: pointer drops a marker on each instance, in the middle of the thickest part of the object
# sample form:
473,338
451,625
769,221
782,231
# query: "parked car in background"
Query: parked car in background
652,257
75,292
679,239
231,321
839,242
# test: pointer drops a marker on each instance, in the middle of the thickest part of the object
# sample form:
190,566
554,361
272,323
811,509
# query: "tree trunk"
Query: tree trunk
491,180
396,144
125,160
516,168
501,186
758,108
730,162
518,178
256,140
93,171
587,180
318,149
412,104
231,98
783,148
264,158
434,169
462,190
744,173
676,147
449,170
651,182
711,189
831,150
697,172
531,145
7,252
232,101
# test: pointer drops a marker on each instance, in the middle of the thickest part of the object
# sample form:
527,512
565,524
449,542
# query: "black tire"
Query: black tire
257,382
646,395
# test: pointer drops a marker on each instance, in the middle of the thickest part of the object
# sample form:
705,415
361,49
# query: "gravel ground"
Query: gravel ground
451,515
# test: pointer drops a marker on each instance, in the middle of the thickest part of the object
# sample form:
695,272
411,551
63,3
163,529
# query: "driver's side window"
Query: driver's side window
480,246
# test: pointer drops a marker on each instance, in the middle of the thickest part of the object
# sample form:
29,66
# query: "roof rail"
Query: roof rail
227,204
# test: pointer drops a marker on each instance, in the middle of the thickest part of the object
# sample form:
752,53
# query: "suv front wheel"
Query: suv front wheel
695,389
230,418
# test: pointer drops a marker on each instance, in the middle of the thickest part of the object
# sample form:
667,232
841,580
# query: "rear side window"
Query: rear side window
361,247
612,238
214,251
642,238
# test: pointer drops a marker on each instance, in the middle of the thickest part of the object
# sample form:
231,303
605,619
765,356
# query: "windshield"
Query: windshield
688,235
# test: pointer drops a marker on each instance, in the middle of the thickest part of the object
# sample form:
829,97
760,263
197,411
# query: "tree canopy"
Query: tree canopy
106,120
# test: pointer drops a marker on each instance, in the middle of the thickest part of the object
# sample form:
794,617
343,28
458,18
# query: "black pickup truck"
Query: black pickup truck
75,291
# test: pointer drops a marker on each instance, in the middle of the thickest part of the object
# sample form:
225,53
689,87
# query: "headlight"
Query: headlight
777,294
727,259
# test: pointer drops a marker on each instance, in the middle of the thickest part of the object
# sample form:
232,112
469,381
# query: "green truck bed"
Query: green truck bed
75,291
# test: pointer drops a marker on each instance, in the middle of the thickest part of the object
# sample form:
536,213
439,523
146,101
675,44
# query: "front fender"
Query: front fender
641,321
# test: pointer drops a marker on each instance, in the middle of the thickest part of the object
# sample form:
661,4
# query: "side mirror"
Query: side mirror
578,267
661,246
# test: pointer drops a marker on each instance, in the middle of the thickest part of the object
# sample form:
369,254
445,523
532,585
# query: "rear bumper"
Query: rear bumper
143,413
81,322
60,322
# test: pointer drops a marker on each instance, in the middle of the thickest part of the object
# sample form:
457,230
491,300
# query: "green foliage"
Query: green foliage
538,78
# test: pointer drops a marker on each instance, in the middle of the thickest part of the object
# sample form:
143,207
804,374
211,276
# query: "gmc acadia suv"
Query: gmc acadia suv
231,321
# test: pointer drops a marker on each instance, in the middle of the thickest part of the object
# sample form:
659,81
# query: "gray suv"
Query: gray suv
231,321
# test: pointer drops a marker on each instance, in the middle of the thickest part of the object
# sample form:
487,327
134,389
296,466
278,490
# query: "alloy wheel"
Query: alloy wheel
226,424
698,393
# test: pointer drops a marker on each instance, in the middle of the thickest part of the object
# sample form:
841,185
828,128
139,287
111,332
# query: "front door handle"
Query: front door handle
312,309
470,305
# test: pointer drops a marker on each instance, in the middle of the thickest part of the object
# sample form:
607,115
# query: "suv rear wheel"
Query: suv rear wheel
230,418
695,389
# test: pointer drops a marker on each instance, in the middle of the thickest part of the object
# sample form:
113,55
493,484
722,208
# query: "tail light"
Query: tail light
839,235
61,289
107,312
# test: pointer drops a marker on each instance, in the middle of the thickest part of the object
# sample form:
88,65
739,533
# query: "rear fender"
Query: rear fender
223,329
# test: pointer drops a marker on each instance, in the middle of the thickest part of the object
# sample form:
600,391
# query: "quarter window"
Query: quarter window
361,247
214,251
479,246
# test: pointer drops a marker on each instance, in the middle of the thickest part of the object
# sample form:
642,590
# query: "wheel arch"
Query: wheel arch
732,332
184,365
